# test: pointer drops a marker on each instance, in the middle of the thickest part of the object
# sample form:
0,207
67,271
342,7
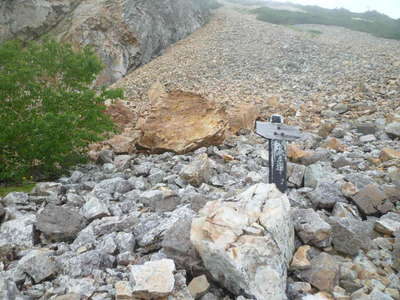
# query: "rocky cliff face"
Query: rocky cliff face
125,33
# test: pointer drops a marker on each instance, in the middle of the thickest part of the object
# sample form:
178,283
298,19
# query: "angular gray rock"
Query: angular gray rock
198,171
323,274
319,172
349,235
177,245
388,224
295,174
8,289
16,198
311,228
344,210
38,264
17,234
151,198
369,199
84,264
393,129
59,223
326,195
94,208
247,245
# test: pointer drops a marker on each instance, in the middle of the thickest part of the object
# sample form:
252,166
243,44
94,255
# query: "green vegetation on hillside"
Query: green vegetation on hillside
213,4
26,188
49,110
371,22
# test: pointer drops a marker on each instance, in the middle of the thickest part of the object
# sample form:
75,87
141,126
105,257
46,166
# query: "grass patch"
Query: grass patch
371,22
26,188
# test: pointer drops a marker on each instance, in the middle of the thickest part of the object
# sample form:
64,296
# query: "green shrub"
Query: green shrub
49,111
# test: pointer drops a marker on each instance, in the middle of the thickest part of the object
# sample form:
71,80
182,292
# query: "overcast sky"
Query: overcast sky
388,7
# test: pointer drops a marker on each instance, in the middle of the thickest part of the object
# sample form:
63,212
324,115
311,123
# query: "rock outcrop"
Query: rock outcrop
247,244
125,33
180,122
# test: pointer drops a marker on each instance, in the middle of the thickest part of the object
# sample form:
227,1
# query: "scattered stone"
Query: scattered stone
341,162
177,245
224,236
378,295
94,209
344,210
16,198
295,174
39,265
198,286
153,279
298,289
388,224
348,189
335,144
296,155
316,173
311,228
123,290
393,129
366,128
326,195
389,154
300,259
47,188
349,235
198,171
367,138
369,199
151,198
323,274
16,234
8,289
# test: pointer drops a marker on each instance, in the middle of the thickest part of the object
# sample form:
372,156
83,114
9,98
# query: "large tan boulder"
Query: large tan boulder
121,114
247,244
180,122
242,116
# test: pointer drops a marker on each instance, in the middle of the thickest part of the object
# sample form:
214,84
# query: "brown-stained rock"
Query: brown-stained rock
334,144
348,189
120,114
389,154
369,199
181,122
242,116
300,259
296,154
325,129
323,274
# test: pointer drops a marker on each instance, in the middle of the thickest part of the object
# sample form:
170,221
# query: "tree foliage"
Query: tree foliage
49,111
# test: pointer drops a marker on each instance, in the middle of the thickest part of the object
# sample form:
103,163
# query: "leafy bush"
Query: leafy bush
49,112
372,22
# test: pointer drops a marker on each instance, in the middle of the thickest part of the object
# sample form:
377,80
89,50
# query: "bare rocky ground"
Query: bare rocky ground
205,225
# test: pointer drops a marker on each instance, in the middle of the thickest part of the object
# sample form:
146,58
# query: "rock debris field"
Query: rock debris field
206,224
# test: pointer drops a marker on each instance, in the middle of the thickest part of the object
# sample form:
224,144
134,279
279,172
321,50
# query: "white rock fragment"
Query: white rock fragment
153,279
